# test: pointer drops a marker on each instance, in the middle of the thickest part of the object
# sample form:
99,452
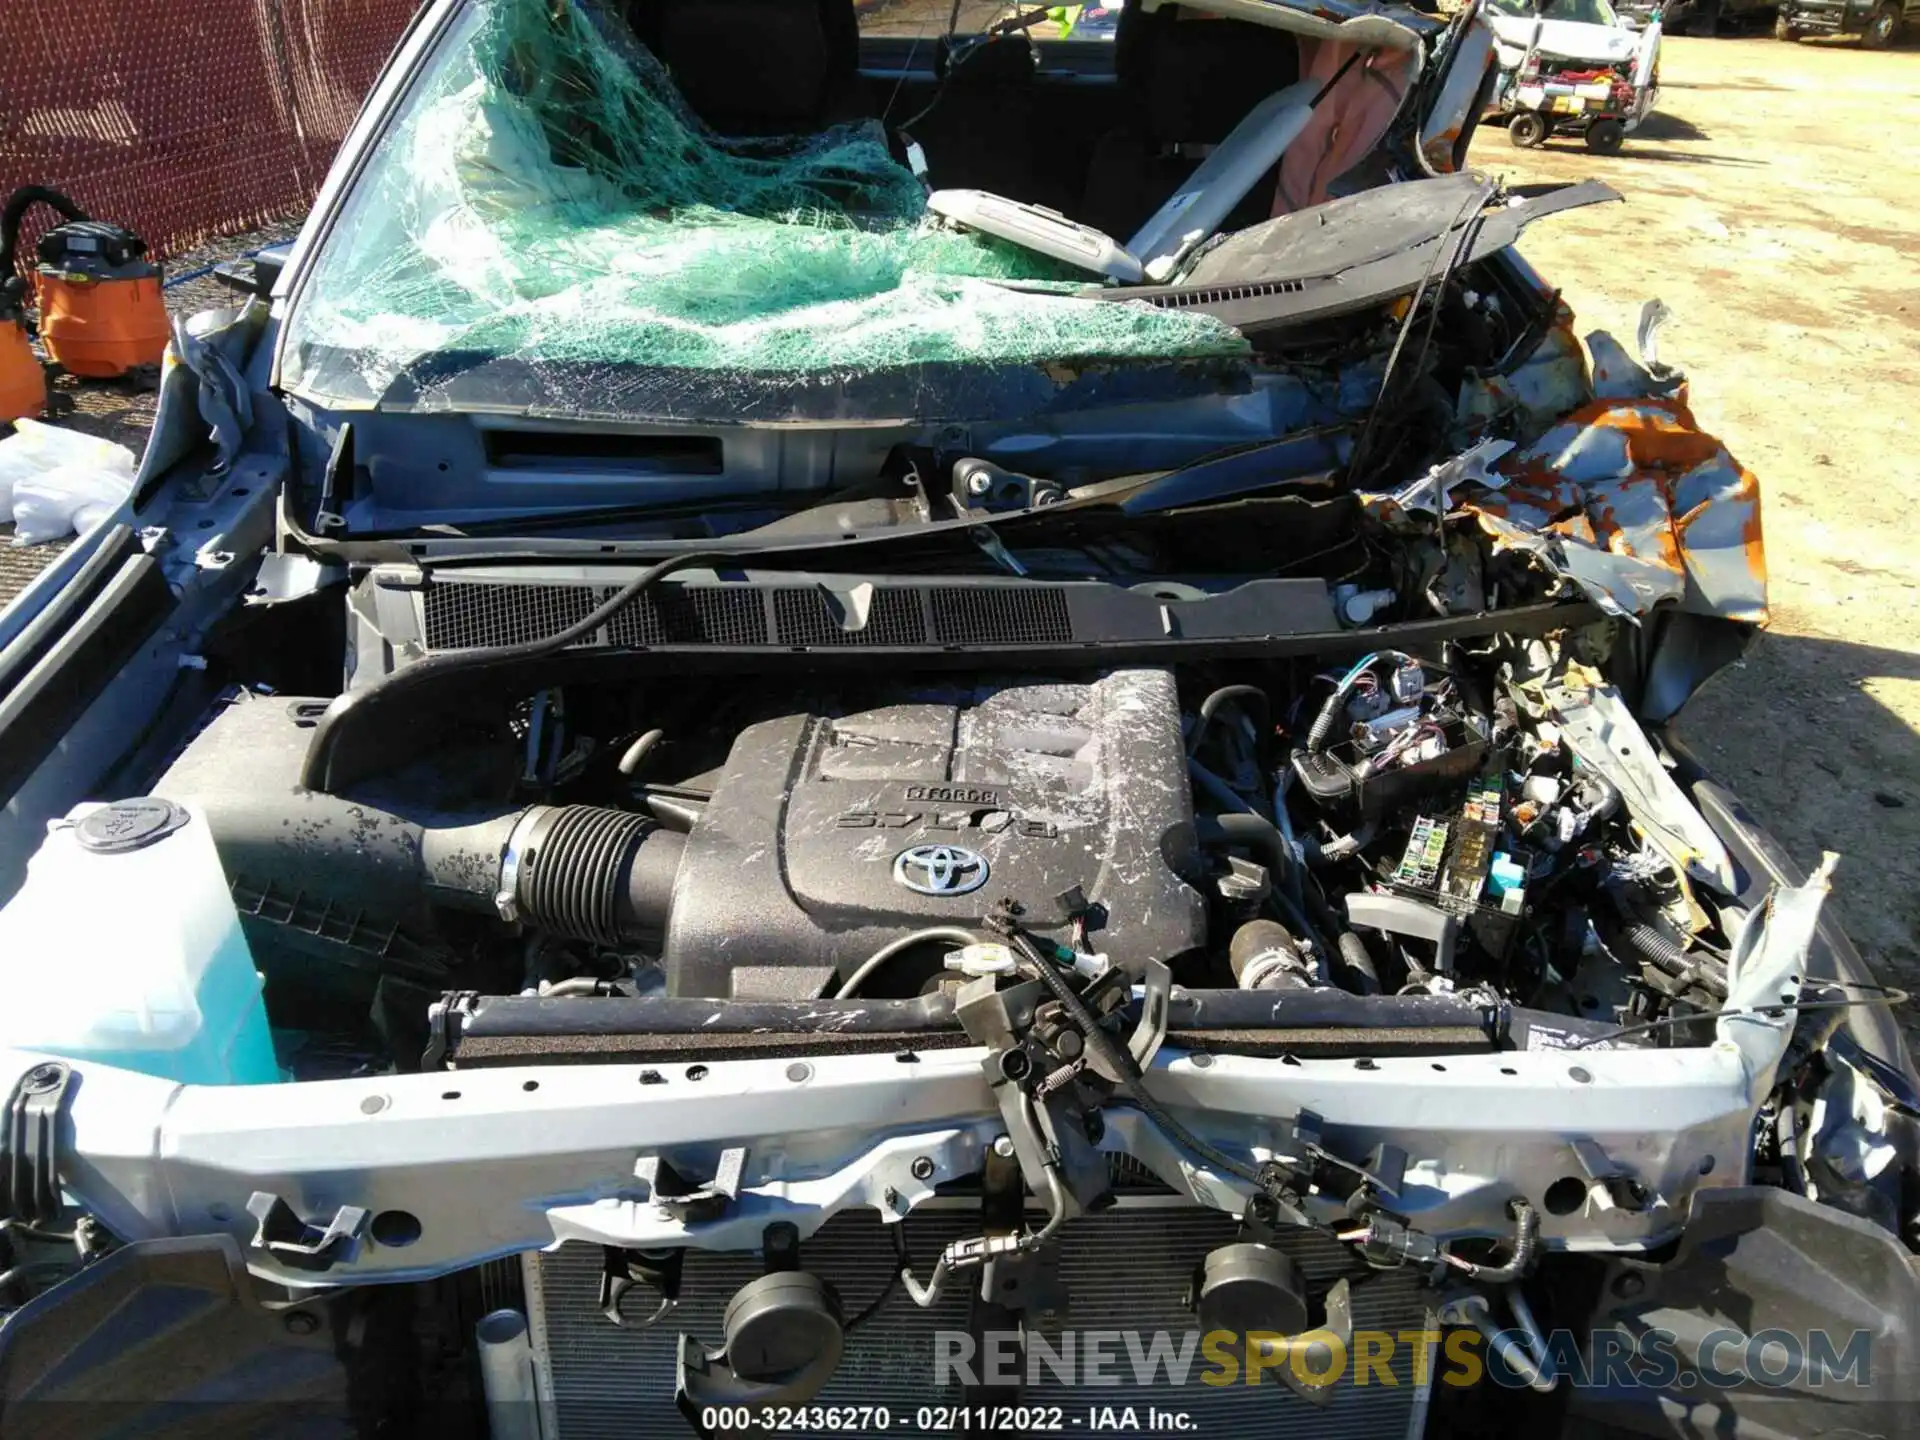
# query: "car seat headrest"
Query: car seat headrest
757,67
1191,76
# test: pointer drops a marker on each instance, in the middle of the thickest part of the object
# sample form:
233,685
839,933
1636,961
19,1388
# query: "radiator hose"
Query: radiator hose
1265,956
1264,1177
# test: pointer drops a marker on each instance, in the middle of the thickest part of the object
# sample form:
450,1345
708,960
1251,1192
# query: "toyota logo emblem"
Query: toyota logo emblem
940,869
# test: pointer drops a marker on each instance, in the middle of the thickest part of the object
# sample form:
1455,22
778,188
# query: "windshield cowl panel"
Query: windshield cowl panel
463,455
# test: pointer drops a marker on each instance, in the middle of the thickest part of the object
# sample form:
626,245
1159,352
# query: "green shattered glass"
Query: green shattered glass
549,196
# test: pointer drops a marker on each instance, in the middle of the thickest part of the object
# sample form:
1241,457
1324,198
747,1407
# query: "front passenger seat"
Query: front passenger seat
758,67
1186,79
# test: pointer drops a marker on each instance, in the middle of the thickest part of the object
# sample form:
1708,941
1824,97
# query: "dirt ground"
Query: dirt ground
1770,203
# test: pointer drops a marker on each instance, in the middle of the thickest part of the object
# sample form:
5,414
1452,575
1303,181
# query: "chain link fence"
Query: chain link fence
183,119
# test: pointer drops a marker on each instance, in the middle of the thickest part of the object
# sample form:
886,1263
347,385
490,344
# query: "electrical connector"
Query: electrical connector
1386,1243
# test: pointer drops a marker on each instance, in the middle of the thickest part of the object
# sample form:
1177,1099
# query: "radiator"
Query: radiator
1124,1270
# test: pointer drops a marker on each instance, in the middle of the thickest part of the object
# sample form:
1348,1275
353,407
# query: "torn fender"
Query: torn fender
1639,506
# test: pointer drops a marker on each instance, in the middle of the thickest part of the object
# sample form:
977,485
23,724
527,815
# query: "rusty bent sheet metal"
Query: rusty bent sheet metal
1637,505
1543,387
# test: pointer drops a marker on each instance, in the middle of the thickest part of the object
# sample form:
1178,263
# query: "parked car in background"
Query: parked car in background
1574,29
1878,23
1701,17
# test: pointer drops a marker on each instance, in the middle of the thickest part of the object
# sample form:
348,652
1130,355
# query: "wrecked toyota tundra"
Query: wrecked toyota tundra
794,723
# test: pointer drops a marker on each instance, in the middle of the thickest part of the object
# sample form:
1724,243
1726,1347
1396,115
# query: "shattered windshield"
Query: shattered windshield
545,203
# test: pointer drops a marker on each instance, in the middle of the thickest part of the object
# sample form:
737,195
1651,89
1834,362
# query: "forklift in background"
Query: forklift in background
1573,67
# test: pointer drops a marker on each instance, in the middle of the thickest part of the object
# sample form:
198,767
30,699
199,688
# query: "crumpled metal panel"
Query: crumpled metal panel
1638,505
1552,380
203,389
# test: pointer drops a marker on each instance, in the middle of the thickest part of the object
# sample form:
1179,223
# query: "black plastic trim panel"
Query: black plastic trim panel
57,689
366,731
518,1030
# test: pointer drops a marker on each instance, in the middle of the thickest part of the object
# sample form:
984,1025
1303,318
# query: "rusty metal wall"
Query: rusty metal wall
183,119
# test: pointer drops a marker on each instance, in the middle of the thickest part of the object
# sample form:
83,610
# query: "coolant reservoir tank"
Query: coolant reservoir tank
123,946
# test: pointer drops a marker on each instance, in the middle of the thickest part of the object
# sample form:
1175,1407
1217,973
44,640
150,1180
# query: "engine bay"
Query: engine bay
1387,825
680,784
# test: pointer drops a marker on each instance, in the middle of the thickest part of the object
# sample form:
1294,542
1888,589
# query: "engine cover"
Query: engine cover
828,837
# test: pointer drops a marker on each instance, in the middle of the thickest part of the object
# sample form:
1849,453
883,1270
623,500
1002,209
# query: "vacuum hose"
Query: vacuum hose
1121,1063
1254,696
18,203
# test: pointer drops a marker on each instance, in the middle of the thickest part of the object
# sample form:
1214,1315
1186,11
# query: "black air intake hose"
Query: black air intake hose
392,859
590,873
1254,832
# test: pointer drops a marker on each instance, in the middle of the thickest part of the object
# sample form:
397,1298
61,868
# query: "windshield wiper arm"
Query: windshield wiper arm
1310,457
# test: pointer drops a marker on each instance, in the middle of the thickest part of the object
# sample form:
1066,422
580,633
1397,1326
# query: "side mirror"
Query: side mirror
254,274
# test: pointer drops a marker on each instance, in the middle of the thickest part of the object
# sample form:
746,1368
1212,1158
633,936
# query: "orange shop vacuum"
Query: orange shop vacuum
101,314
